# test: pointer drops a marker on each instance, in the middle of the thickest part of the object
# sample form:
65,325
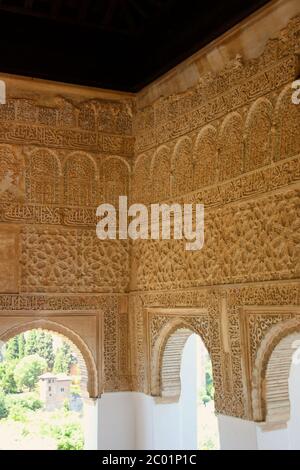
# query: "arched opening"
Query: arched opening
182,381
276,387
47,381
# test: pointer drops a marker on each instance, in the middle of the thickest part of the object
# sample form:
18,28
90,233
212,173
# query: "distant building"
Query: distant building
54,390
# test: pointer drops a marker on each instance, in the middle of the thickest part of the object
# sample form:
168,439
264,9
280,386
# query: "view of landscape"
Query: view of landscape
41,403
207,423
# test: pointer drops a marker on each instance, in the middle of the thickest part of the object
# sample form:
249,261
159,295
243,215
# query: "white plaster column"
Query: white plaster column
171,425
117,421
158,425
129,420
272,439
144,421
91,423
237,434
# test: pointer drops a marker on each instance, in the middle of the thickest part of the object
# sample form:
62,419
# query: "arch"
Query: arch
80,178
182,167
116,174
166,359
42,180
205,157
258,135
86,155
270,392
121,159
161,173
286,121
71,336
141,179
230,146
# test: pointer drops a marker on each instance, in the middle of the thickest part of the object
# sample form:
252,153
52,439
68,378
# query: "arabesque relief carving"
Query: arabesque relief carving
231,142
230,253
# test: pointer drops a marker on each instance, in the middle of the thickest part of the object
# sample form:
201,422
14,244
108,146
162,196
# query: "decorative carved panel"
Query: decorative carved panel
9,258
230,142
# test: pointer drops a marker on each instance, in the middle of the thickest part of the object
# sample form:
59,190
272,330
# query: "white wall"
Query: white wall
272,440
117,421
173,425
236,434
136,421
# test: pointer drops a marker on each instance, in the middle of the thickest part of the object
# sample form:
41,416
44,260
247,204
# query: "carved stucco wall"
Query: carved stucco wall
63,151
231,142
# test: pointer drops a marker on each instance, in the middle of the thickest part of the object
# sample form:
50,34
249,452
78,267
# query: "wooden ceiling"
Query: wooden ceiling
115,44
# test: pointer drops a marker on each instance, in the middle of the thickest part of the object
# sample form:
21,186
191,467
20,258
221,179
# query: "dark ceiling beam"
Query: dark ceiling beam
139,8
83,9
116,44
109,12
65,20
55,8
130,20
28,3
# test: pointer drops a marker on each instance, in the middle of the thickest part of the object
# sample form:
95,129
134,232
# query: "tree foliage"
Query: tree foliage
69,436
209,380
28,370
12,349
21,345
45,348
28,401
63,359
32,345
7,378
3,407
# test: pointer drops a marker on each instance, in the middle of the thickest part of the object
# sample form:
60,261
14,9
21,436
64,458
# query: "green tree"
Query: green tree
69,436
12,349
209,380
28,370
63,359
3,408
21,345
7,378
32,344
59,362
45,348
29,401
